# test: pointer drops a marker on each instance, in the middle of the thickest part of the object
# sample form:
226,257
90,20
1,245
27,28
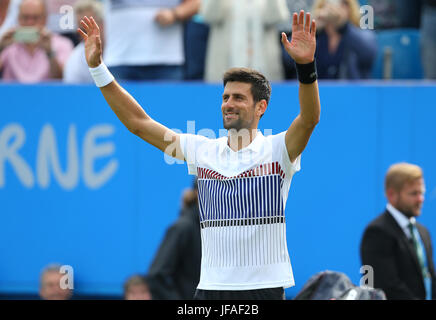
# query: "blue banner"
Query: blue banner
77,188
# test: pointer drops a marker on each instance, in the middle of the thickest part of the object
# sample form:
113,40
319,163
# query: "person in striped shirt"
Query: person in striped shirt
244,177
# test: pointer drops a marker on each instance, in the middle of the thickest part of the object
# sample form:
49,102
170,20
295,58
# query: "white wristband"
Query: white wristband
101,75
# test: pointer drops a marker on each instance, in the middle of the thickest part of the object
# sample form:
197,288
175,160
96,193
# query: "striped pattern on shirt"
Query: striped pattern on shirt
242,217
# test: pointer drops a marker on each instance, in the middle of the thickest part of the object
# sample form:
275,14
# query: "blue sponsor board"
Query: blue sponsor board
77,188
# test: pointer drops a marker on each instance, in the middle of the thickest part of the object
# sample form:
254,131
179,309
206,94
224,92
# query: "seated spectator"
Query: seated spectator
344,51
150,45
8,15
244,34
136,288
76,69
428,39
31,53
50,284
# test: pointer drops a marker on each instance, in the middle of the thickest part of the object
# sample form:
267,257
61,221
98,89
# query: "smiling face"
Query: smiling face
238,107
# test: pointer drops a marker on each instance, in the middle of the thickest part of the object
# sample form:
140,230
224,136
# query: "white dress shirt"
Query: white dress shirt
401,219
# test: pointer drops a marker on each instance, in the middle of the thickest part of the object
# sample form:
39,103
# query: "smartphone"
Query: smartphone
335,2
26,35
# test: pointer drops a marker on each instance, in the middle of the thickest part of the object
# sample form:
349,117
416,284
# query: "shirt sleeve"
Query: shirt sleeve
189,144
289,167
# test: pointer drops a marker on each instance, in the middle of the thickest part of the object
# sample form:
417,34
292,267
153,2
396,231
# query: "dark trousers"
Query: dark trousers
258,294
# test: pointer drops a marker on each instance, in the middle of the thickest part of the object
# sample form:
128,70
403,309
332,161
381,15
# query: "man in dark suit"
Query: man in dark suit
175,271
397,247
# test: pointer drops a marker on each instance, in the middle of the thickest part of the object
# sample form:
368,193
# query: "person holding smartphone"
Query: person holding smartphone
30,53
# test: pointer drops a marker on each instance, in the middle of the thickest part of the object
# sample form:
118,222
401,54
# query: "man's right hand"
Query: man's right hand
91,36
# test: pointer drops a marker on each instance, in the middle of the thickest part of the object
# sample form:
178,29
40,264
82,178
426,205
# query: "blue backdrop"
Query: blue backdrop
77,188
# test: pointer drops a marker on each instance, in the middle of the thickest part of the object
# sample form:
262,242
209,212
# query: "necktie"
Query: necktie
419,248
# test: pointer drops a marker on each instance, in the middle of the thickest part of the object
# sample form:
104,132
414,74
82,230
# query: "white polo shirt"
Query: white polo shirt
242,199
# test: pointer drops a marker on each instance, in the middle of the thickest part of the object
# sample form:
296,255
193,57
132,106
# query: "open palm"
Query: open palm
303,43
91,36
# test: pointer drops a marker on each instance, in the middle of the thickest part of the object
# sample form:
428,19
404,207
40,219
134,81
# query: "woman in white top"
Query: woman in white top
244,33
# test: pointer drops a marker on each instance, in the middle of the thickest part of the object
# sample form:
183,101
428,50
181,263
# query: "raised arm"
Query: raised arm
127,109
302,50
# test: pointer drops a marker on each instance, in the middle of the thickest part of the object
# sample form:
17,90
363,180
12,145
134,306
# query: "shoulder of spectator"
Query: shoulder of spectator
363,41
62,46
63,41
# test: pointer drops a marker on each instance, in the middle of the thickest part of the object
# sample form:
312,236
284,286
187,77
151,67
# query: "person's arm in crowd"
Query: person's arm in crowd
46,44
6,40
127,109
302,50
182,12
214,11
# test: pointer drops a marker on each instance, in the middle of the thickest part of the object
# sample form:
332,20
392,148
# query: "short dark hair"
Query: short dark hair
135,280
260,86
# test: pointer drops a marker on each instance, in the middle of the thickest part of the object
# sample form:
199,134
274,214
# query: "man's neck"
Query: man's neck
238,140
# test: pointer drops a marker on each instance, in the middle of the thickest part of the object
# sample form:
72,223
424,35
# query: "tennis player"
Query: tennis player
244,177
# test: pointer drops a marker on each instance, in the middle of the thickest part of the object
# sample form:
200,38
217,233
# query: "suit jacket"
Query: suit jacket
175,271
391,254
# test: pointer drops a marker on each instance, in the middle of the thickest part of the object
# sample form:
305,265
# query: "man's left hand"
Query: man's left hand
303,43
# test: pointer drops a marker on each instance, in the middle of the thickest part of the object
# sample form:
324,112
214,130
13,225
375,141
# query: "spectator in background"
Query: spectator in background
243,33
389,14
428,38
136,288
150,46
175,271
76,69
343,50
8,15
50,284
31,53
397,247
55,17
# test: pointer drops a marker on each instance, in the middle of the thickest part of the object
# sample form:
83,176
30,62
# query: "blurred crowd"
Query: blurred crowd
176,40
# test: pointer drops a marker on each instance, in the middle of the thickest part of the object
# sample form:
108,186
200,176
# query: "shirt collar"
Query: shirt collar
254,146
401,219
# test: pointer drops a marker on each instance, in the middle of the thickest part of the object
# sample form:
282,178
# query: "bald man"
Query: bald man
30,53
